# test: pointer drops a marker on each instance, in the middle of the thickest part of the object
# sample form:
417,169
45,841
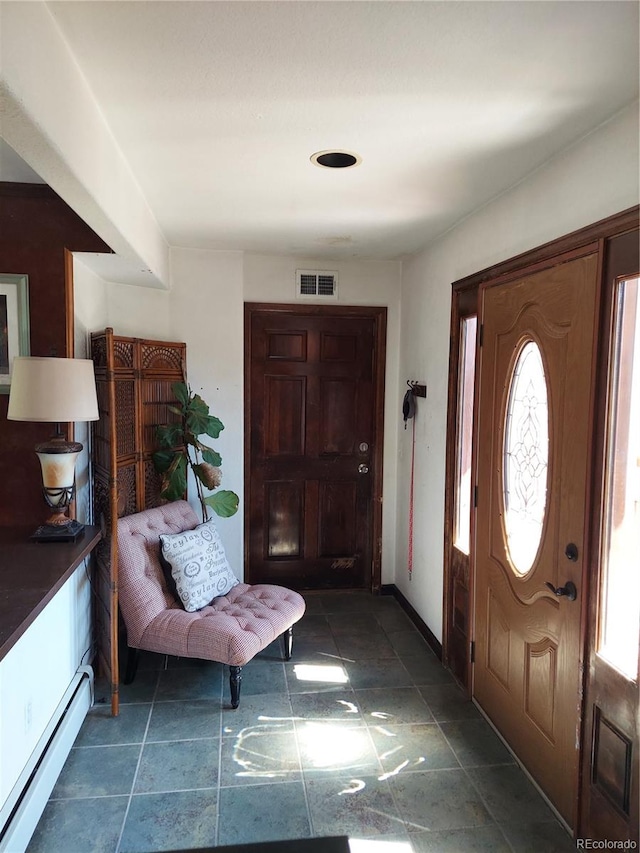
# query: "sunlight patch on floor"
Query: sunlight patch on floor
327,674
369,845
256,754
332,745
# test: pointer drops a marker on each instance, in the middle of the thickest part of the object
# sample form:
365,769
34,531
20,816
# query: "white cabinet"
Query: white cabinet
45,683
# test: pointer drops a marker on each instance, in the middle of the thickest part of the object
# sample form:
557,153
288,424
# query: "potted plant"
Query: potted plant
180,448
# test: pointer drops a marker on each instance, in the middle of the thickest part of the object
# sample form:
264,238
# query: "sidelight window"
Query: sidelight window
467,361
620,592
525,459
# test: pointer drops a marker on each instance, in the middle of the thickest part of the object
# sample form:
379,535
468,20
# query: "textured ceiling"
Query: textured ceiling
218,106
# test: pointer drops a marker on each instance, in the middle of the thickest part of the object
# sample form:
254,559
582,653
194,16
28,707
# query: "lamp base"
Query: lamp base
58,532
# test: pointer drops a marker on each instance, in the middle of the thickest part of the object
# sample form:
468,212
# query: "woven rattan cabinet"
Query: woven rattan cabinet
133,379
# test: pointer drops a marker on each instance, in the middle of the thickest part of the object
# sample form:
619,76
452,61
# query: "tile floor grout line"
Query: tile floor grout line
490,812
219,785
135,772
303,780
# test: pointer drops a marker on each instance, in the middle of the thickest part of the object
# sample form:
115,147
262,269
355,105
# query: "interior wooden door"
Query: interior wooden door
314,415
533,462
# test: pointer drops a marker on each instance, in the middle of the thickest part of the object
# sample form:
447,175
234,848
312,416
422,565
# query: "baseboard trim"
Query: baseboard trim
421,625
26,802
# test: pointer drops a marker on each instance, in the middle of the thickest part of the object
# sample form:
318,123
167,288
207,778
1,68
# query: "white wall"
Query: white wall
594,179
138,312
90,312
206,312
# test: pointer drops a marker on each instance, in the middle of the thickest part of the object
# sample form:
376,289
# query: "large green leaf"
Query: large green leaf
196,414
210,455
223,503
162,459
169,435
214,426
175,479
180,392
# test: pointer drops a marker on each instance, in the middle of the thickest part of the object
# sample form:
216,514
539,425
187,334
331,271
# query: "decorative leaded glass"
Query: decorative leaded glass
526,454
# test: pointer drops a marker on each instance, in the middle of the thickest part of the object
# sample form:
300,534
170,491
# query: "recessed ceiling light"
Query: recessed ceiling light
335,159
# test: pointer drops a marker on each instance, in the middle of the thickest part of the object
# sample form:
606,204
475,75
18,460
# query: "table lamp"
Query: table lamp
60,391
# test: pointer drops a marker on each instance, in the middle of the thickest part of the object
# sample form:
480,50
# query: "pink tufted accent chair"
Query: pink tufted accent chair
230,630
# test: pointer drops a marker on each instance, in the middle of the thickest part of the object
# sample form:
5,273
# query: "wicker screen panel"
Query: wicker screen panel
99,352
123,352
165,358
101,510
133,379
157,397
152,484
125,417
102,609
127,497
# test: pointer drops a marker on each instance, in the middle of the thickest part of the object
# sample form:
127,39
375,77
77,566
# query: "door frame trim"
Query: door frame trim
379,315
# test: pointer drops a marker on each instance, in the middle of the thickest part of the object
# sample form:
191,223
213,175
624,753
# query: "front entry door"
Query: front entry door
533,457
314,404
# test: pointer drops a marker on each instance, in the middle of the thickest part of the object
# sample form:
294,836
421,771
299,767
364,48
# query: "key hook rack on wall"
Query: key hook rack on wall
418,389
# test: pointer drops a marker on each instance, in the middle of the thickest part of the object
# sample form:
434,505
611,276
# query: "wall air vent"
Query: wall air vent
321,284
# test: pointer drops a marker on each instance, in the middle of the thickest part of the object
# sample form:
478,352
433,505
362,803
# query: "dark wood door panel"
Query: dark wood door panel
284,416
314,457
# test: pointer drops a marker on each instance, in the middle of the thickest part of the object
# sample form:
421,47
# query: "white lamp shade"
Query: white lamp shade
55,390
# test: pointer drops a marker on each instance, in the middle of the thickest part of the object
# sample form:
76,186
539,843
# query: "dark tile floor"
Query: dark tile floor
362,733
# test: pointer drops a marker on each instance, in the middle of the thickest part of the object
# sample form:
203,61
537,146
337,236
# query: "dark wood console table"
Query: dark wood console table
31,573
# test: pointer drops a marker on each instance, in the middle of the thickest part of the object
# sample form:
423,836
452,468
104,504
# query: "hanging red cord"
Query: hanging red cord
413,459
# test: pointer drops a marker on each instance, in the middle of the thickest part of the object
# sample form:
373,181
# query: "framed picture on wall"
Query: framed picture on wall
14,324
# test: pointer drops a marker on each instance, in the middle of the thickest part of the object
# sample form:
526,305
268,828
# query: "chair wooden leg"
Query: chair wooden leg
287,639
235,682
133,656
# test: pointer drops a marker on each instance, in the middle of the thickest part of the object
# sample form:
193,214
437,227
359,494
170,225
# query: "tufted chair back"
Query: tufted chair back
143,588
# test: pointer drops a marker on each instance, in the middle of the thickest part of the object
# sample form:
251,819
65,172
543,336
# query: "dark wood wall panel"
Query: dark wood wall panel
36,227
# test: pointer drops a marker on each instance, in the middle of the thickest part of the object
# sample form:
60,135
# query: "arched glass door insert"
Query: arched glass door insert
525,459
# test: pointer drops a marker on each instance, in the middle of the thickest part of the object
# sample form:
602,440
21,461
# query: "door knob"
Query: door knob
569,590
363,469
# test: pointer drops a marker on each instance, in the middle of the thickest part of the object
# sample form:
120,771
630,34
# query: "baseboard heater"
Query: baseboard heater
24,806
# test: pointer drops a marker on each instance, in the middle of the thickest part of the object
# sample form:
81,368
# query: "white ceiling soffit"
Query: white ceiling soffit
218,107
14,169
